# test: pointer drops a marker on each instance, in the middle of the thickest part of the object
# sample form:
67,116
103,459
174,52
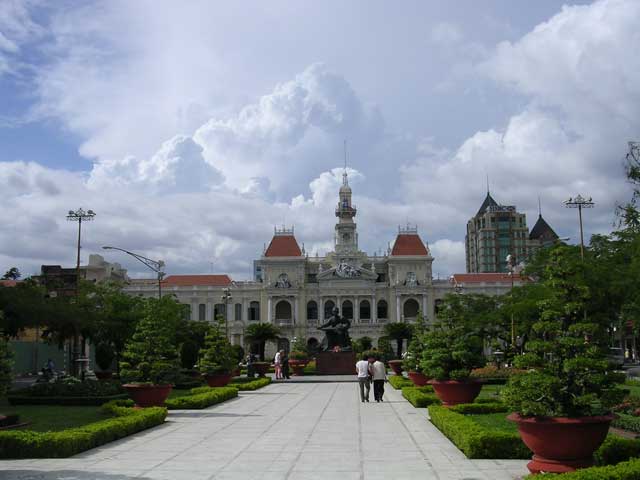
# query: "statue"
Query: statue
337,331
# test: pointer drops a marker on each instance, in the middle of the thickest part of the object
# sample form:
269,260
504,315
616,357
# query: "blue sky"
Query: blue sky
193,128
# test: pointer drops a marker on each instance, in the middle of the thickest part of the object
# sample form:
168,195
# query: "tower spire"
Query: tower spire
539,207
488,191
344,173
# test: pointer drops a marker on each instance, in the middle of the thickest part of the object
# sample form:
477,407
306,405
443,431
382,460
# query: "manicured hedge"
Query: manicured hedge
253,385
420,397
479,408
65,443
201,398
475,440
617,449
398,381
623,471
67,401
627,422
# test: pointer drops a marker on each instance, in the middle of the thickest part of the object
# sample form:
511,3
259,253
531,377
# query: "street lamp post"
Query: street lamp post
155,265
78,216
512,267
226,298
580,202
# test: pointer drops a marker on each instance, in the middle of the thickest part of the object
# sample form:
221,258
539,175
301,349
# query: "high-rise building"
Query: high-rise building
497,231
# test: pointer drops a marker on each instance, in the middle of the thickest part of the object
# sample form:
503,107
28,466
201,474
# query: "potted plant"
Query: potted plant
150,356
451,351
238,355
104,358
411,361
298,358
563,403
216,358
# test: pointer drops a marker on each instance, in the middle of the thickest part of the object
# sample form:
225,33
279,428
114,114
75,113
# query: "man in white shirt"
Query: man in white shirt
379,375
362,370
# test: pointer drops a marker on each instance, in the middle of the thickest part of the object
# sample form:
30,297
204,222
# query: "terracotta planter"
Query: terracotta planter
236,372
148,395
396,366
298,366
453,392
418,379
561,444
104,375
217,379
261,368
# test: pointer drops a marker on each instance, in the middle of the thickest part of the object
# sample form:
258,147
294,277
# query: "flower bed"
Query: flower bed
398,382
65,443
201,397
492,375
627,422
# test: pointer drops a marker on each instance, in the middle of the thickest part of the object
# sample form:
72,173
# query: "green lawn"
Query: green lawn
53,417
176,392
495,421
633,386
491,391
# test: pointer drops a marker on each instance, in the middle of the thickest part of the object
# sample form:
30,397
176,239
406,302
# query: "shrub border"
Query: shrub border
200,398
251,386
68,401
420,397
65,443
629,470
398,382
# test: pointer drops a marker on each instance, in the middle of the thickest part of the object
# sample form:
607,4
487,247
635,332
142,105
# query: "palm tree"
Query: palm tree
398,332
261,333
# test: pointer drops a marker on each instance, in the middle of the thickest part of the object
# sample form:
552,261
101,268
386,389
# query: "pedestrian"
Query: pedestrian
284,363
277,364
379,374
362,371
250,368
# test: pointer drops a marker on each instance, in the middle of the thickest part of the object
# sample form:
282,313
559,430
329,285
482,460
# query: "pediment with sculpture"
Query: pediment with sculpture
345,270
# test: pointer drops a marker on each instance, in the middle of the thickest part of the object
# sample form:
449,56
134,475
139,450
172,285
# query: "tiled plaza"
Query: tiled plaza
284,431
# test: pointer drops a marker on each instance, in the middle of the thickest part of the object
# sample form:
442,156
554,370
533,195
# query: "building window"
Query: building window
347,309
382,309
312,310
365,310
238,312
381,278
411,308
283,311
202,312
328,309
254,311
218,310
312,278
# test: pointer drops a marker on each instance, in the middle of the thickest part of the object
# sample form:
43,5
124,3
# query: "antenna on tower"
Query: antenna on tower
539,206
344,173
488,191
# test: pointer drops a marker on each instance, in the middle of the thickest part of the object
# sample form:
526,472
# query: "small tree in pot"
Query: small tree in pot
299,357
217,360
105,354
563,402
415,349
451,349
150,356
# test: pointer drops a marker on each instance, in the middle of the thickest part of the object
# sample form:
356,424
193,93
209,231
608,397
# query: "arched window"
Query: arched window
218,310
365,310
347,309
238,312
283,311
312,310
328,309
202,312
411,308
383,309
254,311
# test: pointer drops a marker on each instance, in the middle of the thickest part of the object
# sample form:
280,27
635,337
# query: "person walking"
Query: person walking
277,364
362,371
284,364
379,374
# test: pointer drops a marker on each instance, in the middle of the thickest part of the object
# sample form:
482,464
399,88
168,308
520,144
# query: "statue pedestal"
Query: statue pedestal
336,363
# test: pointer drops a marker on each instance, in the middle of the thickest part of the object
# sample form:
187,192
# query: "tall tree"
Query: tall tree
12,274
259,334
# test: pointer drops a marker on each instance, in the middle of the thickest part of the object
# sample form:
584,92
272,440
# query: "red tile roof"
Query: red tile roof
409,244
9,283
283,246
486,277
200,280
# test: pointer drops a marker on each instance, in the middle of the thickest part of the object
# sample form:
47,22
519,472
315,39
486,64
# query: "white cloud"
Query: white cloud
16,28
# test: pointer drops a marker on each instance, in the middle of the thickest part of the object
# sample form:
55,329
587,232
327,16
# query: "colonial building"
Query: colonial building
298,292
498,231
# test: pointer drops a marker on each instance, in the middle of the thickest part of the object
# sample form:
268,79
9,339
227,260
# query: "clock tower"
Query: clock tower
346,236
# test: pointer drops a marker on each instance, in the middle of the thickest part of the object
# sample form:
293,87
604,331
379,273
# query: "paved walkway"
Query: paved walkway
281,432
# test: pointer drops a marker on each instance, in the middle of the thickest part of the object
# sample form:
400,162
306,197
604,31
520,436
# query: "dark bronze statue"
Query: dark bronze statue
337,331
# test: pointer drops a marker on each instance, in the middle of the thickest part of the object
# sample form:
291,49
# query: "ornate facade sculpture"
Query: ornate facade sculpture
283,281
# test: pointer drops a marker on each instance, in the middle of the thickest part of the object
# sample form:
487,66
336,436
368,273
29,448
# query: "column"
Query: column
231,312
295,310
321,311
209,312
194,310
424,306
245,310
398,317
269,310
374,309
339,303
356,309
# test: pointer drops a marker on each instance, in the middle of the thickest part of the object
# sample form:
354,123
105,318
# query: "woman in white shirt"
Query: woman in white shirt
276,364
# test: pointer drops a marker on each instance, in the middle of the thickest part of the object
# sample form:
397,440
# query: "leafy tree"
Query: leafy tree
259,334
217,356
398,331
411,362
363,344
6,375
151,355
12,274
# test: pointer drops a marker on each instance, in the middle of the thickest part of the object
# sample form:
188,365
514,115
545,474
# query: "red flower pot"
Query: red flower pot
561,444
148,395
104,375
217,379
236,372
396,366
418,379
261,368
453,392
298,366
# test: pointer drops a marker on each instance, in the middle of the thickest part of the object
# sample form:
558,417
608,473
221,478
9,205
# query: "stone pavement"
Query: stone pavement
286,431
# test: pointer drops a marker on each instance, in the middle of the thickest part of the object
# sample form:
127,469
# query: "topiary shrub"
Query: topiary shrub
105,355
217,356
189,351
